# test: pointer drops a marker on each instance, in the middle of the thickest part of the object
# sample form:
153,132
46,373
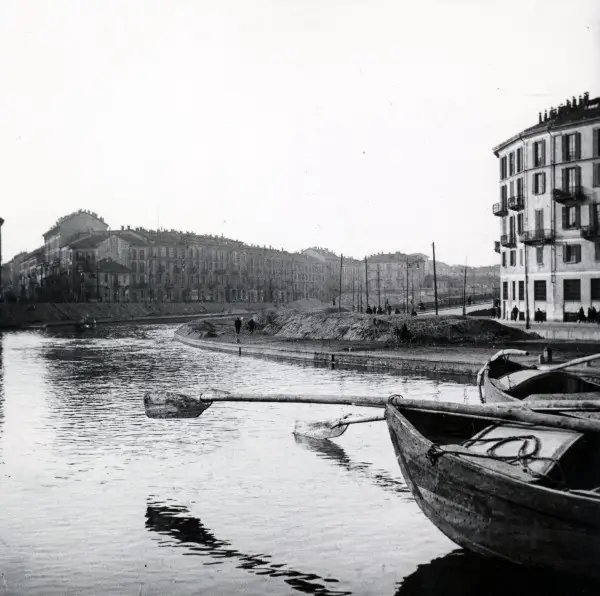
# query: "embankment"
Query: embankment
445,344
15,316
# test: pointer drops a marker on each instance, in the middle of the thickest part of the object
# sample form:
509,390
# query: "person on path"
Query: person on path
238,325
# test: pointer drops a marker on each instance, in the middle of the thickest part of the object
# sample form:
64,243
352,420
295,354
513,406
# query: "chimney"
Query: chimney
586,97
574,102
539,117
545,115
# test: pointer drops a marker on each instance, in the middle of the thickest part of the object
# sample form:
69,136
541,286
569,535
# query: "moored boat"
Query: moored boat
525,494
505,380
85,323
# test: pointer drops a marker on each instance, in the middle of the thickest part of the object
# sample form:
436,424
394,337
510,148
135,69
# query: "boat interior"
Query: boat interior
556,458
520,382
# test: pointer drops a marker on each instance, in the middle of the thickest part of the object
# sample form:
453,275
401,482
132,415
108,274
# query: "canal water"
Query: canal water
98,499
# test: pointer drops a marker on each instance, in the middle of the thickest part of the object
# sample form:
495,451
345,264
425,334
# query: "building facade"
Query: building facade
548,207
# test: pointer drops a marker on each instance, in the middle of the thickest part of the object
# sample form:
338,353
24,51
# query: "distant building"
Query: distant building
68,228
549,212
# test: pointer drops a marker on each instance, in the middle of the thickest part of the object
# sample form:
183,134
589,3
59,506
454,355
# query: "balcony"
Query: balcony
591,232
500,209
508,240
537,237
516,203
497,246
573,194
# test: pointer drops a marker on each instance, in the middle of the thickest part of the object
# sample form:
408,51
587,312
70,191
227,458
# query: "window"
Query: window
572,253
141,254
596,147
539,219
134,266
520,225
521,290
539,290
513,258
503,168
539,255
511,163
519,187
539,154
504,259
142,267
539,183
596,175
597,251
511,185
503,194
595,288
133,254
521,257
571,178
519,159
572,290
571,146
514,293
571,217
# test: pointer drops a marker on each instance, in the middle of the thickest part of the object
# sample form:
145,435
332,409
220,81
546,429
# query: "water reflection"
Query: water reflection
461,573
332,451
191,533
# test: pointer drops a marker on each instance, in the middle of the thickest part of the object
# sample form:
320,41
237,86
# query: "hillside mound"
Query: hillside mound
386,329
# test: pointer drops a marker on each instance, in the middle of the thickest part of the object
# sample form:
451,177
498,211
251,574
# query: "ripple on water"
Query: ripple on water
98,499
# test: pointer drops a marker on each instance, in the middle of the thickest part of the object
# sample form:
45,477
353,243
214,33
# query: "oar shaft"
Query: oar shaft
573,362
374,401
513,413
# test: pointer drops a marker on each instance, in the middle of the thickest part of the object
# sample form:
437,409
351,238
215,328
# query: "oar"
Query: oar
573,362
516,413
169,404
330,429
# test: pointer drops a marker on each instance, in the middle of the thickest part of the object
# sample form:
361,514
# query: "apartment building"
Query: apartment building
549,194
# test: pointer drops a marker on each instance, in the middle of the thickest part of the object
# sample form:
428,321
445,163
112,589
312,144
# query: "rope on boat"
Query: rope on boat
523,457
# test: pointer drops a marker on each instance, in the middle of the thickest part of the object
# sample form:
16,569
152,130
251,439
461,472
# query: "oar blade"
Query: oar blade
169,404
324,429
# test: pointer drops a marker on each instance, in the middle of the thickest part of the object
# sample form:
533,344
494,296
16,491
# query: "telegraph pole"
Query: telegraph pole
367,281
378,288
352,291
434,280
465,291
341,267
406,309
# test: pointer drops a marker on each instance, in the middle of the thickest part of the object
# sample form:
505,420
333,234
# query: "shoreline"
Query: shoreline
451,359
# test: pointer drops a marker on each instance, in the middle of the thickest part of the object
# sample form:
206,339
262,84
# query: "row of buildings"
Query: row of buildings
83,259
549,211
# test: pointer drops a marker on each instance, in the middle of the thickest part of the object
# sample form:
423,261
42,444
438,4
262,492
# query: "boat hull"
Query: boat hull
494,514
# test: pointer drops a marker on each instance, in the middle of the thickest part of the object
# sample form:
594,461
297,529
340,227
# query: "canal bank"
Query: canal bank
20,316
464,358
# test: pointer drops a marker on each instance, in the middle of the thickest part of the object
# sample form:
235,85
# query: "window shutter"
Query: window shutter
543,153
577,253
565,179
543,181
578,175
596,174
578,217
566,253
565,145
564,218
596,149
578,145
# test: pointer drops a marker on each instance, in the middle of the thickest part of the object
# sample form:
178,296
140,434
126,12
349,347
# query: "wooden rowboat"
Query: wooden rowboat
525,494
504,380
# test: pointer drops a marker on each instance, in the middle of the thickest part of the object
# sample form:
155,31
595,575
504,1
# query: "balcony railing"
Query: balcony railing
508,240
590,232
500,209
497,246
537,237
573,194
516,203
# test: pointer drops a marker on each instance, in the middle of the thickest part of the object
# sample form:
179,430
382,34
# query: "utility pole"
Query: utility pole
406,309
378,288
353,291
367,281
341,268
527,325
434,280
465,291
360,297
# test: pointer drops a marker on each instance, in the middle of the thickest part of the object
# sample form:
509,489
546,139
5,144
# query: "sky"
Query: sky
357,125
